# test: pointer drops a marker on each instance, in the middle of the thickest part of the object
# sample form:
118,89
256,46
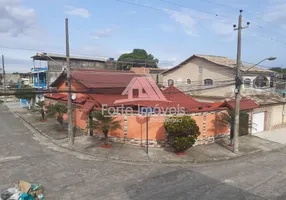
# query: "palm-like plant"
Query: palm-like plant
41,104
58,110
227,118
104,124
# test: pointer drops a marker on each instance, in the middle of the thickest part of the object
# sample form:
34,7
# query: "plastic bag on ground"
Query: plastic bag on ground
10,194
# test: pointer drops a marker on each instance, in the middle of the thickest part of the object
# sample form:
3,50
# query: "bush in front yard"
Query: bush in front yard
182,132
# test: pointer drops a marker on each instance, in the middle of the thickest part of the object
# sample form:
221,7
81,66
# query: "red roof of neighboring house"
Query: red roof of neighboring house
245,104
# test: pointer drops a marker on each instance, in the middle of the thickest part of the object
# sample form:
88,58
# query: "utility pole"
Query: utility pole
70,125
238,82
4,79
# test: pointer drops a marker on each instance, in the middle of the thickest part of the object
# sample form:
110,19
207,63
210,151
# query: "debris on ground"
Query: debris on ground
23,191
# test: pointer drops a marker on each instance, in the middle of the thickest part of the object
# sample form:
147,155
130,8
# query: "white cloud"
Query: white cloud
167,63
276,12
82,12
183,18
223,29
103,33
15,19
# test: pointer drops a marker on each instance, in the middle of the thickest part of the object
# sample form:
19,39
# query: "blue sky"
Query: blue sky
170,32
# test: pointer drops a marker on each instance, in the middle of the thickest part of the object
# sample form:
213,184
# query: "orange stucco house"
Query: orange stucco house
95,89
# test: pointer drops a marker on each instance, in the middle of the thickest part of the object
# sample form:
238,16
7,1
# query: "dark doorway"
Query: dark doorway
244,124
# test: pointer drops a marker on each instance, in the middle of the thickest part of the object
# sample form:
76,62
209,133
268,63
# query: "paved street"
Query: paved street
67,175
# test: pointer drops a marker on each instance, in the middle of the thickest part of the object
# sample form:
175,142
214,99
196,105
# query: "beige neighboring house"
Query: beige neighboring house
271,113
211,78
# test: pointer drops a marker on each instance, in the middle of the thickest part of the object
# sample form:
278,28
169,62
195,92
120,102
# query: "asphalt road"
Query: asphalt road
67,175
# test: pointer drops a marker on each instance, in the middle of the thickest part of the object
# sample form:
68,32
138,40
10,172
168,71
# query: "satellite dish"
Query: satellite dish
73,96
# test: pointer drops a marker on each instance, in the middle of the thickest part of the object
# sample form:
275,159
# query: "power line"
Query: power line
180,5
264,20
167,11
249,13
271,38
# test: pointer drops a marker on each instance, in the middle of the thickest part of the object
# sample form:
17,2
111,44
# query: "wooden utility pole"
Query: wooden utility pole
70,121
238,83
4,78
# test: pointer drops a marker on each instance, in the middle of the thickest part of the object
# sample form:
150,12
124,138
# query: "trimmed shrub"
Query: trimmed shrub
182,132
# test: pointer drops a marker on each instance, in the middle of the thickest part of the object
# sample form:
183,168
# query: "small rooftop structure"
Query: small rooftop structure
46,56
145,70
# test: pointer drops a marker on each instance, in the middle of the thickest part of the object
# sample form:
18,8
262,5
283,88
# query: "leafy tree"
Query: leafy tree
41,104
138,58
279,70
182,132
58,110
105,124
27,93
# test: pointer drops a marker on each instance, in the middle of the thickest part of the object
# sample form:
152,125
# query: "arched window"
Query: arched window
247,82
208,81
170,82
189,81
261,81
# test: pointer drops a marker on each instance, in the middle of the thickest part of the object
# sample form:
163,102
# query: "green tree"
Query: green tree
138,58
27,93
58,110
182,132
278,70
41,104
104,124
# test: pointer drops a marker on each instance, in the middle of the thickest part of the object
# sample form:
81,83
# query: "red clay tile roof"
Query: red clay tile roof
177,97
88,106
55,96
107,99
65,98
80,100
103,78
245,104
216,104
94,78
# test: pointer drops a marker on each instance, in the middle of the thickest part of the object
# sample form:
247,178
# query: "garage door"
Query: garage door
258,122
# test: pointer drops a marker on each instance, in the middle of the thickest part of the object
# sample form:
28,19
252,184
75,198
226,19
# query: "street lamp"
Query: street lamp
270,59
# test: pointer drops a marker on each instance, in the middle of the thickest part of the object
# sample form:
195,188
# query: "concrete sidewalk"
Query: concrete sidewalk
91,145
278,135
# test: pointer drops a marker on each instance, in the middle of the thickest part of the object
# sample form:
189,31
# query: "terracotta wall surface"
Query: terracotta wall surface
137,127
199,121
75,86
212,127
79,118
118,132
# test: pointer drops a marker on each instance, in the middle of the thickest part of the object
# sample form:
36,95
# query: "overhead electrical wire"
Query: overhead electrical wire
167,11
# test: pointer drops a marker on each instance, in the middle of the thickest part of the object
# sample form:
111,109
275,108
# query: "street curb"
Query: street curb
131,160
